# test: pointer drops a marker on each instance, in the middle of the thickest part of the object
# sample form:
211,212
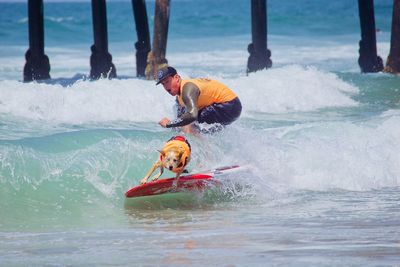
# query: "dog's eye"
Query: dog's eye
175,160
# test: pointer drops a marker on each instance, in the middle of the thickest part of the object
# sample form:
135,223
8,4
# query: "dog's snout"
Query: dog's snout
170,168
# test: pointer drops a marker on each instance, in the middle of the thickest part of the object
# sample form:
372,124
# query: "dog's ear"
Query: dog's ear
180,157
161,152
180,154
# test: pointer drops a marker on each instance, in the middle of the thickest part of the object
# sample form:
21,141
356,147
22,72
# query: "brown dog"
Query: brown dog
174,156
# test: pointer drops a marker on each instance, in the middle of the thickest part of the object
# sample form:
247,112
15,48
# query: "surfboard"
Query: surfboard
196,182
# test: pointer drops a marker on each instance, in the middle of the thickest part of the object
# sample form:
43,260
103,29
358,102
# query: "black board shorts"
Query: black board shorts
223,113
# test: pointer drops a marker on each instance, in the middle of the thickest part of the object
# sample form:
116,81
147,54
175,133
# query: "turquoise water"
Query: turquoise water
321,141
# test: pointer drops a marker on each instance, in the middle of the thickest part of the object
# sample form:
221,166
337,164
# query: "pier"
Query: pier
152,56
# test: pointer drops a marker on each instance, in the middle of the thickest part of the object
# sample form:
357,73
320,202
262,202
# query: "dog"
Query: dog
174,156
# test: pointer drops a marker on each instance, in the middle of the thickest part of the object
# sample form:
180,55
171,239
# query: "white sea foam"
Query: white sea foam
347,156
291,88
321,156
83,102
59,19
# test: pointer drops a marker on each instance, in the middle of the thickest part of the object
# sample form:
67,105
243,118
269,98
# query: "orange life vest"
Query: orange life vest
184,147
211,91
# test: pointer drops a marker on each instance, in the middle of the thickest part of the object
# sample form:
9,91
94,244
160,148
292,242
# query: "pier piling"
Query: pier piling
393,60
369,60
100,60
156,58
260,55
142,45
149,60
37,66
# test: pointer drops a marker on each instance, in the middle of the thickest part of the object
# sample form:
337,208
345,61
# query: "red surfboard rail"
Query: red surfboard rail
192,182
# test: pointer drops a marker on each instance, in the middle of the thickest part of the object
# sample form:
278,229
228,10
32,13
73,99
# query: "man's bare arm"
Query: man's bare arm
190,95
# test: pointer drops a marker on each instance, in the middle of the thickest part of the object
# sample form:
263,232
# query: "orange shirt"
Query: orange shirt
211,92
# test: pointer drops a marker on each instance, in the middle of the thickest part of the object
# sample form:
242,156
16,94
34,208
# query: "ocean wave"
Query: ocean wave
293,88
280,90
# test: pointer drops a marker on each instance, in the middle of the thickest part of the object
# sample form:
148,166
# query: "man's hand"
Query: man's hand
164,122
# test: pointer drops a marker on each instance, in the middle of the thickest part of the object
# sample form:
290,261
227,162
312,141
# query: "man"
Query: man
202,100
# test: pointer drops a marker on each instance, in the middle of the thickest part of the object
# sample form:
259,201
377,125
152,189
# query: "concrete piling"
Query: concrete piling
259,53
100,60
37,66
393,60
142,45
156,58
148,61
369,61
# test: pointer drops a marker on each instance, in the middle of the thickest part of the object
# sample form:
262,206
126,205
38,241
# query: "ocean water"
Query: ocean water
321,141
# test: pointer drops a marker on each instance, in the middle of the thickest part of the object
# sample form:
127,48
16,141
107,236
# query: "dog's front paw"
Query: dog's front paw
155,177
143,181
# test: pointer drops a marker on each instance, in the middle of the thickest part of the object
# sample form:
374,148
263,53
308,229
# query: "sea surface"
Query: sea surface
321,142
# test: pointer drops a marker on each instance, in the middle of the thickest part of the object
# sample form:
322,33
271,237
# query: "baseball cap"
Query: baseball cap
165,73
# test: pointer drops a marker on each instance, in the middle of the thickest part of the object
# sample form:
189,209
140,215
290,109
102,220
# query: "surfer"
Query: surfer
199,100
